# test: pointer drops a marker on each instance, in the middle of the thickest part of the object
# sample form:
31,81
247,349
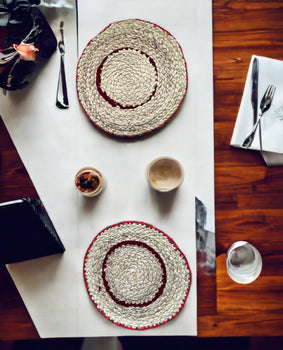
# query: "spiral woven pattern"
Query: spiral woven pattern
136,276
131,78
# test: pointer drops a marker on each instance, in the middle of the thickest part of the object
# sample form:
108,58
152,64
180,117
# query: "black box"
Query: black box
26,231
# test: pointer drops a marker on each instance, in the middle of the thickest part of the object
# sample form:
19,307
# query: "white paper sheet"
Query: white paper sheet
54,144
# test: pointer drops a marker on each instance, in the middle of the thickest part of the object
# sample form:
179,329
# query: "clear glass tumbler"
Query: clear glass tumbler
244,262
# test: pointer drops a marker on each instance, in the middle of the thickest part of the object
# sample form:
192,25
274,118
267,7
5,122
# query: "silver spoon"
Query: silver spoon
62,94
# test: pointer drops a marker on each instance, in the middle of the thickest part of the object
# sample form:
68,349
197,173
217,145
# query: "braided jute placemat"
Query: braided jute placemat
131,78
136,275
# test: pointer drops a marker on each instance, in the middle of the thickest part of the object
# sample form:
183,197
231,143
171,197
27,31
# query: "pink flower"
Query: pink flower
27,52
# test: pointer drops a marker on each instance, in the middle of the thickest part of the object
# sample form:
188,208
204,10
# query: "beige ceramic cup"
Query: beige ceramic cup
89,181
165,174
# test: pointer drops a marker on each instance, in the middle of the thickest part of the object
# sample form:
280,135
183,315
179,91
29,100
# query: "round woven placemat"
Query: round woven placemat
136,276
131,78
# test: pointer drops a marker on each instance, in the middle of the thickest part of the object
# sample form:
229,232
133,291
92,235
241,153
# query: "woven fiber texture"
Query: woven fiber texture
136,276
131,78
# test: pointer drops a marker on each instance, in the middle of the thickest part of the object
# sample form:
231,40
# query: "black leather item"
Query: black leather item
25,24
26,231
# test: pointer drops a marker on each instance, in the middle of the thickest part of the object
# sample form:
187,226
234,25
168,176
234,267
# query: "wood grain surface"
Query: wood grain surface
248,194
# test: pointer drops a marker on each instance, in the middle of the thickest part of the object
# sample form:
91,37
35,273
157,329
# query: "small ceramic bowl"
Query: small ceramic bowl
165,174
89,181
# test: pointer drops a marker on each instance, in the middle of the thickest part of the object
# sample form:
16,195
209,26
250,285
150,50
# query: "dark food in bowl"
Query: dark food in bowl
87,182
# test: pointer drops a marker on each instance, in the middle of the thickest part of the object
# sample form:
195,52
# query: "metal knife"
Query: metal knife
254,96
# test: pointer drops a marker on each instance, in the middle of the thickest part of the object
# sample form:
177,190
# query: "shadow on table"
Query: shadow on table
146,343
131,343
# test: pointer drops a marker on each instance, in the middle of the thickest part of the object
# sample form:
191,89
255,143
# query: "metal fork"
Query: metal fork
264,106
62,95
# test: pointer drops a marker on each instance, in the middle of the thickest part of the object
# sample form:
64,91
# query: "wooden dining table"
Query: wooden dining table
248,194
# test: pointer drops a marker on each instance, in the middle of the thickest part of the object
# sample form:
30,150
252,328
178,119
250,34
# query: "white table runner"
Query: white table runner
54,144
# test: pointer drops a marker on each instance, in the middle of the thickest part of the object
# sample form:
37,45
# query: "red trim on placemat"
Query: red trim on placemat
158,257
171,241
104,94
156,128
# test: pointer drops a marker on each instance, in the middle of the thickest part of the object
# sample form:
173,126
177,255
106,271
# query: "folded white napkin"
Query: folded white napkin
271,124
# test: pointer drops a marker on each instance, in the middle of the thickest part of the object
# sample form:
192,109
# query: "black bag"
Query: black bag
21,22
